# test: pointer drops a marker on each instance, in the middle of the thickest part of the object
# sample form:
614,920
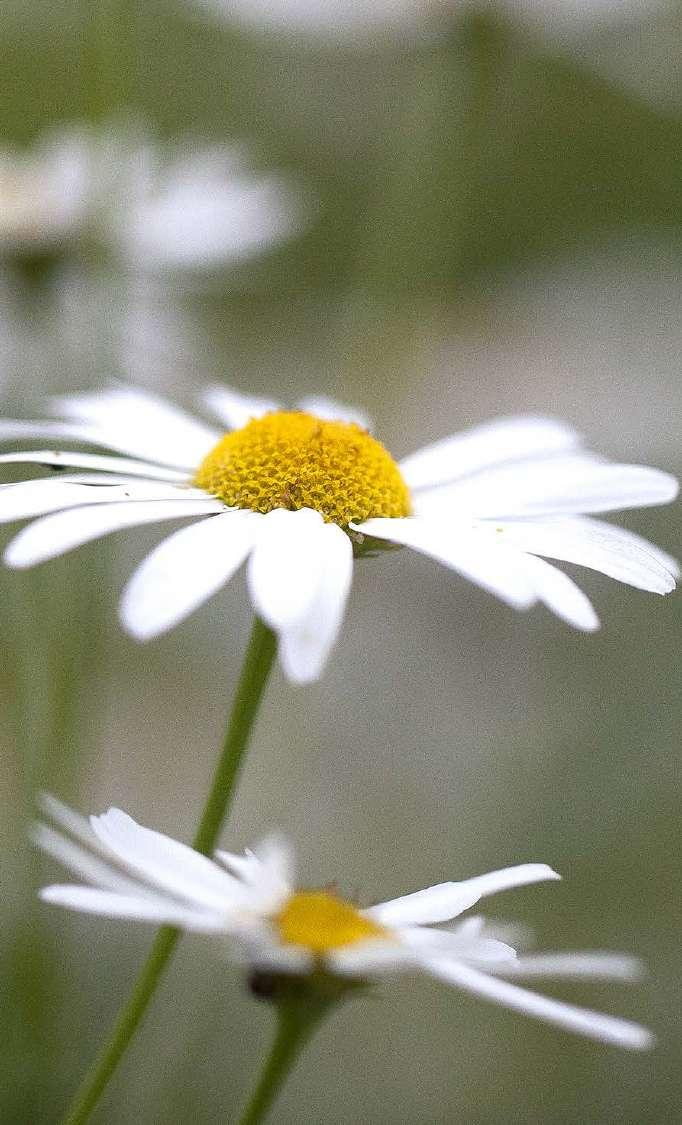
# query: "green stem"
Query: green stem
296,1022
258,662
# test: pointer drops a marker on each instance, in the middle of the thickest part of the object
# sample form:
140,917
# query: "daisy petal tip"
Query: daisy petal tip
137,630
637,1038
14,559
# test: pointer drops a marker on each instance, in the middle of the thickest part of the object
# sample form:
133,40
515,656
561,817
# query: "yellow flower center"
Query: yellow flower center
294,460
319,921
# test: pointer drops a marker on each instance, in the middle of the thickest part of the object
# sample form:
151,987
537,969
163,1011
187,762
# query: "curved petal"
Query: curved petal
86,863
560,594
54,535
507,439
444,901
166,863
184,571
108,904
583,1021
328,408
599,546
141,424
487,564
234,409
38,497
122,466
560,486
305,646
451,943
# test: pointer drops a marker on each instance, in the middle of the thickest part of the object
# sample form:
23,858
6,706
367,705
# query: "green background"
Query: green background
496,229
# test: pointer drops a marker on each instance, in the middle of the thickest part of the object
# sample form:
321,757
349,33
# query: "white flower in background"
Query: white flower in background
357,20
295,493
184,208
135,873
42,202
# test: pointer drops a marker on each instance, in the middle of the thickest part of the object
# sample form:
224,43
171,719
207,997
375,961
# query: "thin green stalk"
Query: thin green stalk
296,1022
258,662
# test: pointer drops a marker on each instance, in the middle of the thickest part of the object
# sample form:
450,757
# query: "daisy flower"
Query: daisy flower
41,195
378,20
252,901
182,208
299,492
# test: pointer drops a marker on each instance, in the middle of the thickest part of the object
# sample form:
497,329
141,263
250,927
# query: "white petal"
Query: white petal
559,486
90,900
499,571
507,439
449,943
142,424
233,409
561,595
268,870
55,534
38,497
166,863
329,409
370,958
607,1029
292,959
306,644
82,862
286,566
668,561
20,429
433,904
122,466
611,550
593,966
275,857
447,900
184,571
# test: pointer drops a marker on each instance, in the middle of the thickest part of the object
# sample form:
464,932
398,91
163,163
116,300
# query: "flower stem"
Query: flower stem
296,1022
258,662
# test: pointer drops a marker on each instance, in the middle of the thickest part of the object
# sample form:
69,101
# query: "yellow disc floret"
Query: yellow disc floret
294,460
319,921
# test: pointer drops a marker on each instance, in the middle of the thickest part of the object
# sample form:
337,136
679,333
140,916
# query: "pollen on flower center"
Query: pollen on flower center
295,460
319,921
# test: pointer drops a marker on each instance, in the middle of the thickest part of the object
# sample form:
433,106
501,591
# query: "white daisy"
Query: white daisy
367,20
42,200
298,492
188,208
135,873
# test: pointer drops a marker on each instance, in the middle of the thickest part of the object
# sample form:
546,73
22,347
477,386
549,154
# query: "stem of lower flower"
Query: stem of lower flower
257,665
296,1022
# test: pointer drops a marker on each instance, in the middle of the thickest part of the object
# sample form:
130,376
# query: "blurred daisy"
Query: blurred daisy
185,208
42,200
357,20
298,492
135,873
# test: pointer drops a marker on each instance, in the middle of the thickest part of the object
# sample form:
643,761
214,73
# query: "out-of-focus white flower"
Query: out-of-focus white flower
42,194
368,20
133,872
185,208
296,492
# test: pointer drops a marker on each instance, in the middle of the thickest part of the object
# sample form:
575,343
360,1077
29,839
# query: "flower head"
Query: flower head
298,492
252,901
183,209
376,21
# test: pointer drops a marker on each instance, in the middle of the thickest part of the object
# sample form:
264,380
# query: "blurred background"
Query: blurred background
439,211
